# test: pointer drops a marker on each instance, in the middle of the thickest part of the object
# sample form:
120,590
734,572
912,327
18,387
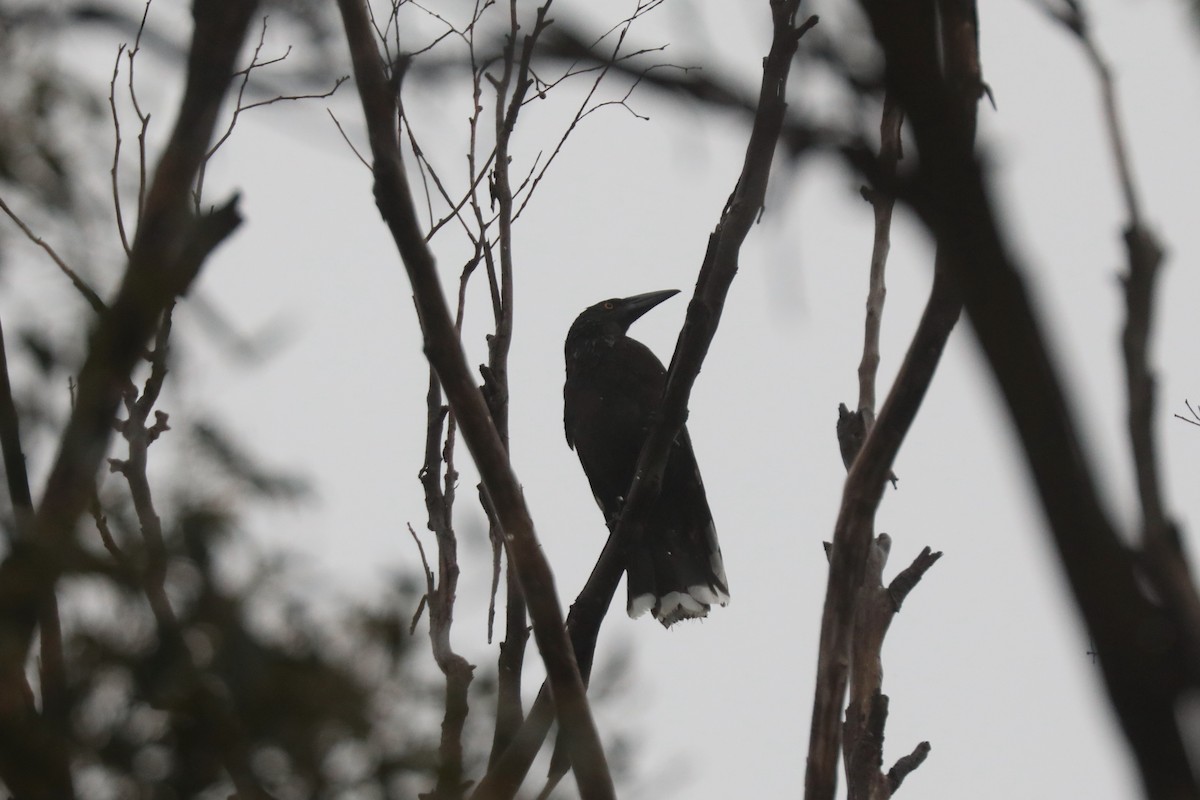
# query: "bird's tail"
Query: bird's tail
677,575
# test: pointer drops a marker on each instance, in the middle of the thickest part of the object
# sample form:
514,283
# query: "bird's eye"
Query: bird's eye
608,306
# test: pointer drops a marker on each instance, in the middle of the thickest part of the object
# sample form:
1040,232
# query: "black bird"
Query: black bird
613,390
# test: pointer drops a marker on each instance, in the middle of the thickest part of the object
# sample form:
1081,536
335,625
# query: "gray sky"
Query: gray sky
987,660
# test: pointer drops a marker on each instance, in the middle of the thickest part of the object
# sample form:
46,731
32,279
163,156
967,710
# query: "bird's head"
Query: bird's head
609,320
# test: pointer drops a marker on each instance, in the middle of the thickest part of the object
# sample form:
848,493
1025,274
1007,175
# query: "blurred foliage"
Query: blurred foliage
313,697
37,98
330,697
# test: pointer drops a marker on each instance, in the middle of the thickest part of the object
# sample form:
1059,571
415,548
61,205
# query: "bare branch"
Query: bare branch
866,712
953,67
106,537
240,106
904,766
882,202
346,139
1195,420
426,167
586,105
143,117
88,293
440,596
908,579
115,171
285,98
395,203
214,706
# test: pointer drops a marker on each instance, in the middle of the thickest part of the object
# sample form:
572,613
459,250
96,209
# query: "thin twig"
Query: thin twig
88,293
1195,420
115,171
346,139
426,167
882,201
586,106
143,117
239,106
106,536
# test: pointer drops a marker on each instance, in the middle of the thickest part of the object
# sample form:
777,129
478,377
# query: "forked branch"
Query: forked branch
943,54
394,200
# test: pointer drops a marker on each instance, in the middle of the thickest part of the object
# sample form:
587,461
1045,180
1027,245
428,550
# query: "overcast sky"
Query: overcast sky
987,660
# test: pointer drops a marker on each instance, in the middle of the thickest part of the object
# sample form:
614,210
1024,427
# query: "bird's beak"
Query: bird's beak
634,307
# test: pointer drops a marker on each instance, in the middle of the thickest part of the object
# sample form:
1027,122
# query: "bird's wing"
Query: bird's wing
568,417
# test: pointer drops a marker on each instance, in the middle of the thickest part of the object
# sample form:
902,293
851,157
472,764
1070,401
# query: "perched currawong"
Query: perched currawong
613,390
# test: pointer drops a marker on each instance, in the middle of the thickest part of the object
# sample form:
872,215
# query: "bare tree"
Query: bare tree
202,669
